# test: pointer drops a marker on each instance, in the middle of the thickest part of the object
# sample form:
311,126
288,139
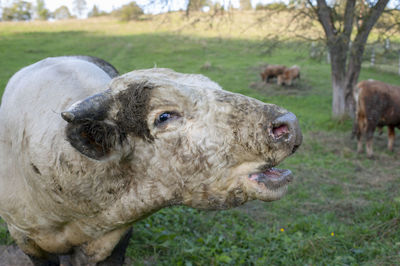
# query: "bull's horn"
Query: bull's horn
94,108
68,116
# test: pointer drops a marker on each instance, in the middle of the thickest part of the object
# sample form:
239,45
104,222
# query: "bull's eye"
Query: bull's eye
164,117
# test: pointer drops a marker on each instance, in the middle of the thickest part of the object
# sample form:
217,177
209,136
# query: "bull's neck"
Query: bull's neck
150,195
141,198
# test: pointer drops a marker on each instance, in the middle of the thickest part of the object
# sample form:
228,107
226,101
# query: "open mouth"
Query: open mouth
272,178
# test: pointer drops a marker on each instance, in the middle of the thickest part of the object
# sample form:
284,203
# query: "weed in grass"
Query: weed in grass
5,238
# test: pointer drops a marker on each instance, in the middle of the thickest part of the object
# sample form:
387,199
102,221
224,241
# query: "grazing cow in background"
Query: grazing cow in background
272,71
288,75
85,153
377,105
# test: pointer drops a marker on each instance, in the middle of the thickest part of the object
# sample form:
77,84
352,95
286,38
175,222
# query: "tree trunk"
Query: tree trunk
353,72
338,49
345,77
338,98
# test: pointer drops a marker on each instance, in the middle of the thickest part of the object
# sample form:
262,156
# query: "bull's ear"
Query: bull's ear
87,130
95,139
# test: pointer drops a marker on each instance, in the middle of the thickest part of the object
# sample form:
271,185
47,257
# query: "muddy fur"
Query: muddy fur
82,160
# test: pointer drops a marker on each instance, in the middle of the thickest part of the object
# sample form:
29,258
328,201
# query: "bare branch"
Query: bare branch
349,18
324,13
309,39
370,20
312,6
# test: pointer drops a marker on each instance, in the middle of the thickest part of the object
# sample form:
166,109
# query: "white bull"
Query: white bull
84,155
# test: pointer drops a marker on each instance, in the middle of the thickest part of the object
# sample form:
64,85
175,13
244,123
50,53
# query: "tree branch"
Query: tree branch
324,13
312,5
349,18
370,20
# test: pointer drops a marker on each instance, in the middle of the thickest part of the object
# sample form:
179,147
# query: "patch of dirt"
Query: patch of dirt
299,86
377,172
343,209
13,256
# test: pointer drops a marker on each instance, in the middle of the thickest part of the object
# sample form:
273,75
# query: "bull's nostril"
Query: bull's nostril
286,129
279,131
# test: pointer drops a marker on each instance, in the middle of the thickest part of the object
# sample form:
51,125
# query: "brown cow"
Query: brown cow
377,105
272,71
289,75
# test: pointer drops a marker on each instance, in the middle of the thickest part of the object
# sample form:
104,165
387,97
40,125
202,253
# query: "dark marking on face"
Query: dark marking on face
35,169
132,117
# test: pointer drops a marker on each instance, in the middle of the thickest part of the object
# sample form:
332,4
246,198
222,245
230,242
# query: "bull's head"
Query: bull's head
207,147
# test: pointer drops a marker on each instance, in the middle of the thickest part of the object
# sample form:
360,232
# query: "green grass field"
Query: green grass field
342,208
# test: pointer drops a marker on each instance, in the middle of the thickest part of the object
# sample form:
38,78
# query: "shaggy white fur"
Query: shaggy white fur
55,199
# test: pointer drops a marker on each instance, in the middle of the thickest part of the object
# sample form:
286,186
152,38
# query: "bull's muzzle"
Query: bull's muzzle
286,128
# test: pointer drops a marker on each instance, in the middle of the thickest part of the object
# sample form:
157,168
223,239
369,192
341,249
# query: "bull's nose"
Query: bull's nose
286,128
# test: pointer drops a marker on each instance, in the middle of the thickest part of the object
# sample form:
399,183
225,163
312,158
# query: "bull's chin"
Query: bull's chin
270,184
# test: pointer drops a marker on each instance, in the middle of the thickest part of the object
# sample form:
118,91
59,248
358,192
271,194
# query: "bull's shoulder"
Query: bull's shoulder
365,89
67,74
375,91
364,83
370,85
377,86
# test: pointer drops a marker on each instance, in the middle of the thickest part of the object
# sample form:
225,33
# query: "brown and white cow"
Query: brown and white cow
377,105
289,75
272,71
